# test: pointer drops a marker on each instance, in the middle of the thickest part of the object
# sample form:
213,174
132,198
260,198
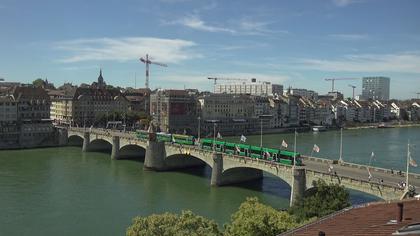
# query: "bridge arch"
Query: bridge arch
248,173
100,144
75,140
178,160
132,151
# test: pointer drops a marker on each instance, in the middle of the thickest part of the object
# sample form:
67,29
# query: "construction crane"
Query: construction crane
146,60
353,87
220,78
334,79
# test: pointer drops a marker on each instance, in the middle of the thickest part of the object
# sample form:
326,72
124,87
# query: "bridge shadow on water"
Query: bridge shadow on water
269,184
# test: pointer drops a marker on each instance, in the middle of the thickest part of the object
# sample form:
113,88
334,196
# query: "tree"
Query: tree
323,200
168,224
38,83
256,219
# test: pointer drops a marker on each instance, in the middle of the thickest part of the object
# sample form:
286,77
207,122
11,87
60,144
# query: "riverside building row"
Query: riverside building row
187,111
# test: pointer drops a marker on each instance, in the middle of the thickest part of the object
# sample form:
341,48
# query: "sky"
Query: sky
296,43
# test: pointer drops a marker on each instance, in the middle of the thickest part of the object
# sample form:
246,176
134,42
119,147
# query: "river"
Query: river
62,191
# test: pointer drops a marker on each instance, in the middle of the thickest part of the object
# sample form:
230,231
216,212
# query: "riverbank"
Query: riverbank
386,125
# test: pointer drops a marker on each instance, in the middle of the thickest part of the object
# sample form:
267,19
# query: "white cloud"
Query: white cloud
194,22
350,37
257,27
127,48
344,3
400,62
238,27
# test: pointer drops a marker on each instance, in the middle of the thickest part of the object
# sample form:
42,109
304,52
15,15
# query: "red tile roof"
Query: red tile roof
370,219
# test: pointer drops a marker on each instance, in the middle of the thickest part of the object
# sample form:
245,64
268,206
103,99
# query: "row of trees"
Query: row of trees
252,218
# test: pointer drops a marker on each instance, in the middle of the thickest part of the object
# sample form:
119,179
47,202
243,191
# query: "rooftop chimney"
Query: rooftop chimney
400,211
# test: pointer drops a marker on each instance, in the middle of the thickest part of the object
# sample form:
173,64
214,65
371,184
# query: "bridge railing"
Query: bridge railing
361,181
361,166
235,157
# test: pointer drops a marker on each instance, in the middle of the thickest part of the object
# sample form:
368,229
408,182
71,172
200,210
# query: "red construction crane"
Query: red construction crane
334,79
146,60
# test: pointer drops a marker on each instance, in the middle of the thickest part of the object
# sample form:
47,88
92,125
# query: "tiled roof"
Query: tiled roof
371,219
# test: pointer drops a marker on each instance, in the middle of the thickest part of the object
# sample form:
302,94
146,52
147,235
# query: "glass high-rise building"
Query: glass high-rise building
376,88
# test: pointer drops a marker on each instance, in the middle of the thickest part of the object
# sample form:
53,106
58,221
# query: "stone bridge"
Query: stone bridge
226,168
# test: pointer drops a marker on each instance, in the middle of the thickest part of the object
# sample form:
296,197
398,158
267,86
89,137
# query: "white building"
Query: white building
376,88
252,88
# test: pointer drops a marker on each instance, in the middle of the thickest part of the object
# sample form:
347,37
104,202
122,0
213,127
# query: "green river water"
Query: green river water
62,191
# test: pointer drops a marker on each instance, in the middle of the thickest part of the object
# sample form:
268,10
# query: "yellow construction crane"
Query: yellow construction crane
334,79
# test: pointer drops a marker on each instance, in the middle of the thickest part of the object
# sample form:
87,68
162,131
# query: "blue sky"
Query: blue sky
295,43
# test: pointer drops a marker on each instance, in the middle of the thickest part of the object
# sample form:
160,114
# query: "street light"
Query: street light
199,126
261,130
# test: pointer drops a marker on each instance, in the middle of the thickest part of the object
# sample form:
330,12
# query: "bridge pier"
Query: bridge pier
217,170
298,186
115,153
86,141
155,156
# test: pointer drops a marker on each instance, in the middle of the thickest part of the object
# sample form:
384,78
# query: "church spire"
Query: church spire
101,82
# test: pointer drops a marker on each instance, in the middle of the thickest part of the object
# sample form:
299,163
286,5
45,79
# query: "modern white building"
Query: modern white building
252,88
376,88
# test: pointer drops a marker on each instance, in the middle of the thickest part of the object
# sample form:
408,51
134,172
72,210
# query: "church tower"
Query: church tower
101,82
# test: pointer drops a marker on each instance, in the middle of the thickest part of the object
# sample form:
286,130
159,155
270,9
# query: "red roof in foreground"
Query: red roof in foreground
370,219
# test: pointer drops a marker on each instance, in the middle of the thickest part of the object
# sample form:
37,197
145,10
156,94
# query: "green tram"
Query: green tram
142,134
240,149
270,154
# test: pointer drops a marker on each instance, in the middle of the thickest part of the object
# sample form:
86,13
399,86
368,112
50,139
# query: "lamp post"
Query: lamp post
294,150
261,135
341,146
214,137
199,127
261,127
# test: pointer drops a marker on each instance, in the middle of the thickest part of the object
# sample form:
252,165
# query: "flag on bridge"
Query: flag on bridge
373,156
412,162
243,138
316,148
284,144
370,174
219,136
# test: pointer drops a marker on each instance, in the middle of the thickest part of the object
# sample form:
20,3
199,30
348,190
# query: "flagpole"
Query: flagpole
294,154
341,146
408,163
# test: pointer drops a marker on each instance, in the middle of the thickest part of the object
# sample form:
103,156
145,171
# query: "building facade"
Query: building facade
252,88
174,111
87,106
376,88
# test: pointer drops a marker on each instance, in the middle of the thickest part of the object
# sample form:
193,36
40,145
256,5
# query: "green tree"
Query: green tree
256,219
323,200
168,224
38,82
